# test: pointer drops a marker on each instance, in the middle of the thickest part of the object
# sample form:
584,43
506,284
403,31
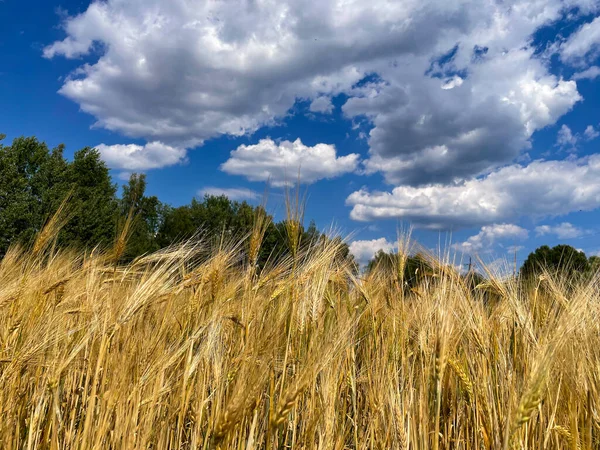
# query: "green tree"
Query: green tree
93,205
276,242
218,215
147,216
215,216
55,180
32,185
177,225
562,259
416,267
594,263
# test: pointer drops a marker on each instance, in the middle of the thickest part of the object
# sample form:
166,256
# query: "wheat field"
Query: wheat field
195,348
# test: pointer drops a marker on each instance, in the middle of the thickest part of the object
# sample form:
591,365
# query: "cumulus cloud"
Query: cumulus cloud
322,105
591,133
364,251
564,230
281,162
134,157
540,189
425,133
231,193
184,72
490,235
566,138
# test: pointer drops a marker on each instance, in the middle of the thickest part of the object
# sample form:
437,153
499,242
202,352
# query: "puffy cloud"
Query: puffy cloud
364,251
133,157
280,163
322,105
583,45
590,73
490,235
566,138
564,230
540,189
231,193
591,133
425,133
453,82
183,72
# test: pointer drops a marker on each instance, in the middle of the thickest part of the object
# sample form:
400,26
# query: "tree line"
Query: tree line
560,260
35,180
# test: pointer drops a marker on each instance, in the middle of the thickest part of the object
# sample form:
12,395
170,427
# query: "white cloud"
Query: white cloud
281,162
564,230
124,176
490,235
453,82
425,134
590,73
512,249
591,133
364,251
322,105
566,138
583,45
183,72
132,157
231,193
540,189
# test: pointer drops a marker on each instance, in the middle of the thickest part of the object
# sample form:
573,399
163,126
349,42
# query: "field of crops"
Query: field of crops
195,347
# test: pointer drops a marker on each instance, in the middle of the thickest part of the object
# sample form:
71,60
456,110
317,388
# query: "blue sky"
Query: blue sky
465,118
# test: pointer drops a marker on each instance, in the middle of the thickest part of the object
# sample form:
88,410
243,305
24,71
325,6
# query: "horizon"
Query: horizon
465,119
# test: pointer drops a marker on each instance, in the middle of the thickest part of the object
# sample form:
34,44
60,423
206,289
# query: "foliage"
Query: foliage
409,269
223,220
93,208
594,264
147,216
561,259
35,180
215,216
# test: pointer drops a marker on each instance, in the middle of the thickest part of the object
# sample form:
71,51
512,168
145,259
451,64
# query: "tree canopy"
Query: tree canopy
415,267
147,213
562,259
34,180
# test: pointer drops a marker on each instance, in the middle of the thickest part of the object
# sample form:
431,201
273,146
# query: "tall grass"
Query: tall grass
193,347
